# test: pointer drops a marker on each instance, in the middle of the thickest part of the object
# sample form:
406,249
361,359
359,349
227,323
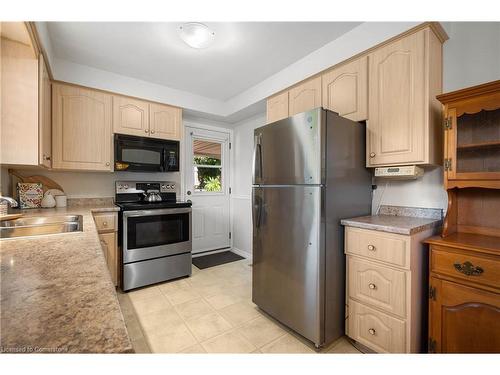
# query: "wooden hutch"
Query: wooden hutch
464,285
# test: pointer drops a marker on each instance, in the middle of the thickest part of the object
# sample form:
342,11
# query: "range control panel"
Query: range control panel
127,187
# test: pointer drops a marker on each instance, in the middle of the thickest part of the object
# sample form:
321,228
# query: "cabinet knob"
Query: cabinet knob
372,154
152,131
371,247
146,130
105,223
107,164
372,286
372,331
46,157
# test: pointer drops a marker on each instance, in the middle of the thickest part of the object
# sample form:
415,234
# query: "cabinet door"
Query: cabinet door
82,135
44,115
463,319
277,107
345,90
130,116
397,127
165,121
305,96
108,241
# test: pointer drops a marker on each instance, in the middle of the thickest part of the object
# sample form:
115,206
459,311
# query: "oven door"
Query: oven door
149,234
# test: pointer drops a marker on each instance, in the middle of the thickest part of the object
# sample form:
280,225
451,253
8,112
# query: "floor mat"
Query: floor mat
212,260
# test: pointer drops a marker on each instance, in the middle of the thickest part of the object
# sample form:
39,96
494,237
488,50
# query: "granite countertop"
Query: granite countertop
400,220
56,292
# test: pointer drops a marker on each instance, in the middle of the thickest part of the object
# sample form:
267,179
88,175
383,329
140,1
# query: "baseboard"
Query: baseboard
208,252
242,253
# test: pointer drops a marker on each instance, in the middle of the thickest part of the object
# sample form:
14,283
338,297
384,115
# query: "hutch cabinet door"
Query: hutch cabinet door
397,125
277,107
165,121
474,140
305,96
130,116
82,135
345,90
463,319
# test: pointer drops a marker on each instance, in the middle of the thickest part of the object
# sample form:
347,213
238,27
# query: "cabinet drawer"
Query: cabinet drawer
378,286
376,330
473,268
385,247
105,221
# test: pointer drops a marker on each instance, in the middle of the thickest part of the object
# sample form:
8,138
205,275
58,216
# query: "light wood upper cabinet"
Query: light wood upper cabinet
44,115
165,121
130,116
145,119
82,135
404,116
305,96
277,107
345,89
19,99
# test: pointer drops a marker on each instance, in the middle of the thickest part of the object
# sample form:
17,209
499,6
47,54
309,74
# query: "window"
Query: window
207,166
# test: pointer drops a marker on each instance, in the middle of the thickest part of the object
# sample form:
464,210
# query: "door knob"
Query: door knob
188,192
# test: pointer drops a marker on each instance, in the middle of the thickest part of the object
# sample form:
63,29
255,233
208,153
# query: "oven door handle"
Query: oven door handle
157,212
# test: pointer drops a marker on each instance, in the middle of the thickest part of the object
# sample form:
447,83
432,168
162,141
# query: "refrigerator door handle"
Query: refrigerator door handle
257,159
258,211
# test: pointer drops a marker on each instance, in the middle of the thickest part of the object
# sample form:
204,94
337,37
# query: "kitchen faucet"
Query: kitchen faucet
11,201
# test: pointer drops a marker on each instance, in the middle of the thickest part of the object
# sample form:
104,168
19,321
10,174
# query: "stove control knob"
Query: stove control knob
173,186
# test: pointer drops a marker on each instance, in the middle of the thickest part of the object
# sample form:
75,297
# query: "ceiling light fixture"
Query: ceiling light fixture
196,34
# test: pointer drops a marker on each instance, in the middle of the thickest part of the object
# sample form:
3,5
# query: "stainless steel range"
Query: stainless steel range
154,232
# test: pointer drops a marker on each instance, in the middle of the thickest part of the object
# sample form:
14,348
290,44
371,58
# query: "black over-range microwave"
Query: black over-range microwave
141,154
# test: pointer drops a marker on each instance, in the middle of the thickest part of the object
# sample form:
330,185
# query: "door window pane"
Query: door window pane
207,166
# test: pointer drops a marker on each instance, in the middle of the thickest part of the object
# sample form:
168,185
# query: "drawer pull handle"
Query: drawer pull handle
372,286
105,223
371,247
372,331
468,269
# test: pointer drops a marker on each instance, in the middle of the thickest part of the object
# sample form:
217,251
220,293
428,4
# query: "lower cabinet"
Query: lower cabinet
386,297
464,309
108,235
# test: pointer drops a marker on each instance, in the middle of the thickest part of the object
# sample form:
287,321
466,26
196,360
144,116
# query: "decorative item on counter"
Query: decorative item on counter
30,194
47,183
61,201
48,200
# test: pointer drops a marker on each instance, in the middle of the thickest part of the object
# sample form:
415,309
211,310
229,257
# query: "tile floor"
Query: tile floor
209,312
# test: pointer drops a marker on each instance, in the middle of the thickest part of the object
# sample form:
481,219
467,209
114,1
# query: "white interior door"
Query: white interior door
207,187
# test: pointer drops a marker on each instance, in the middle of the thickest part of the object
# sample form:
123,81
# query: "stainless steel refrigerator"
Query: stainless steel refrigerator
308,173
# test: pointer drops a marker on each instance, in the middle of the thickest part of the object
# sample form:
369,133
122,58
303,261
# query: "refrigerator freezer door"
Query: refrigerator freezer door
290,151
288,254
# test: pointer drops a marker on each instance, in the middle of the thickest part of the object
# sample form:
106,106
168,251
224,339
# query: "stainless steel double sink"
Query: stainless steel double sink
40,225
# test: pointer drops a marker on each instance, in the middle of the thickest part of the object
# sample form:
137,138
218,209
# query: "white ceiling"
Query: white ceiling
242,55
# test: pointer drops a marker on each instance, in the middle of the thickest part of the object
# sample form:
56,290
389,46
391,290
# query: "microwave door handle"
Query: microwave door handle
164,167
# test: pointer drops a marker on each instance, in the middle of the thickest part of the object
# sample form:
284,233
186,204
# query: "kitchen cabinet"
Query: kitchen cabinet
404,124
384,290
146,119
345,89
165,121
44,115
130,116
106,224
82,134
19,99
464,308
305,96
472,136
277,107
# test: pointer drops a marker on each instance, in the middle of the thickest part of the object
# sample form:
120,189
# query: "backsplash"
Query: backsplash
428,213
88,184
